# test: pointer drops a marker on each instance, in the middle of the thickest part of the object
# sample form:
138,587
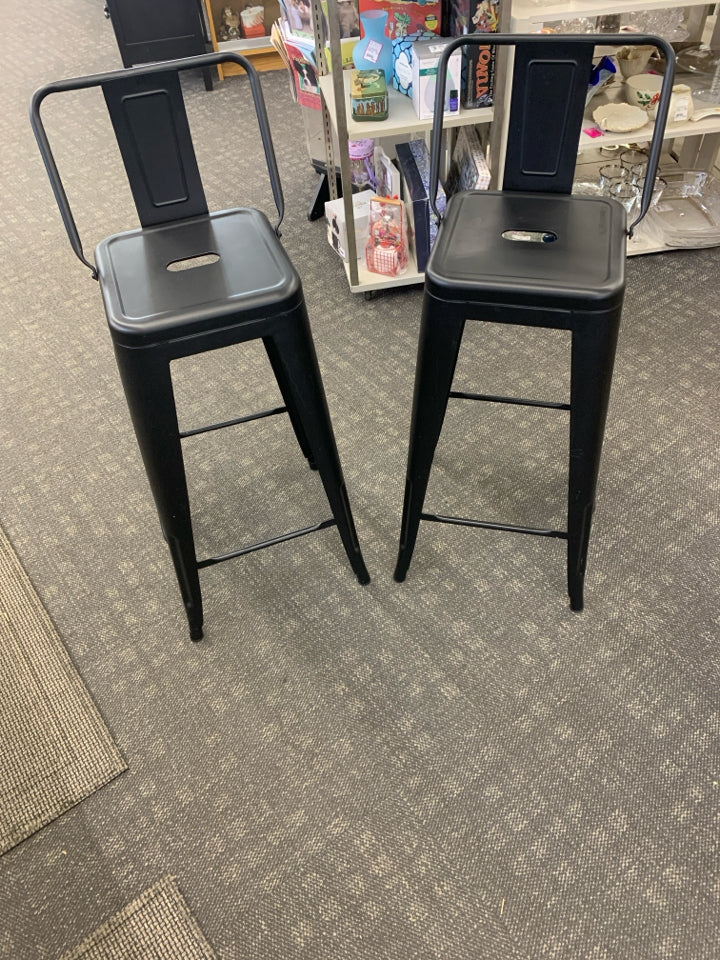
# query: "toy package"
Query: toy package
475,16
387,246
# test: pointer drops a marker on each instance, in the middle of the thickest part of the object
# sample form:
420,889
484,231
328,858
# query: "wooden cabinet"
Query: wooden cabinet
258,48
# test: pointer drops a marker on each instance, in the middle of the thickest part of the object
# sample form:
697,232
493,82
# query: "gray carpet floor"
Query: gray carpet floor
457,767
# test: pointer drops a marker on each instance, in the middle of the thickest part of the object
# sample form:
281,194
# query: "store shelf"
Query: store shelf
368,281
673,131
536,13
401,114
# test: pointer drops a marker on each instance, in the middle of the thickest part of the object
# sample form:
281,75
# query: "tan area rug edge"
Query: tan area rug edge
27,628
160,912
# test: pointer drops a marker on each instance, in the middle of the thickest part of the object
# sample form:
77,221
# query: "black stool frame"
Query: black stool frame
540,160
148,114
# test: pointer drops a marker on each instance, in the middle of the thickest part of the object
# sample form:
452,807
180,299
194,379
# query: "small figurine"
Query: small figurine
230,25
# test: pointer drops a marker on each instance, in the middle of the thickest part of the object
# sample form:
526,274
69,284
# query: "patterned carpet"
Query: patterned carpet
456,767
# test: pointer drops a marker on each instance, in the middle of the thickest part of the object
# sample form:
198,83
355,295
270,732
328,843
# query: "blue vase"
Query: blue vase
374,51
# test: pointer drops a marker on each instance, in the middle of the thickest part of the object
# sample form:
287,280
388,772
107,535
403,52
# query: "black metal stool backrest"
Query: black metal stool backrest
147,111
551,74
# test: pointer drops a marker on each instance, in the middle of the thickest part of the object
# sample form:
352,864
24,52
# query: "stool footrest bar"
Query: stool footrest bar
462,395
322,525
232,423
489,525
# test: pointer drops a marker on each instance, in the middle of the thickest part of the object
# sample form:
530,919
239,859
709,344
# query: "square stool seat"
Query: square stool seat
539,250
146,301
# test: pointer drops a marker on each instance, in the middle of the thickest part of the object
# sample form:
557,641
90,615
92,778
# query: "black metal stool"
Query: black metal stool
190,281
530,255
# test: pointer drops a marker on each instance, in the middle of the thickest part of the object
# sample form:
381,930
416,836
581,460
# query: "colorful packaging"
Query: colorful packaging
414,162
469,169
405,18
468,17
426,57
368,93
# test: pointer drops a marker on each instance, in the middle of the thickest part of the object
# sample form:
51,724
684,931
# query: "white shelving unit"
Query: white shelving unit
522,16
401,119
528,16
401,114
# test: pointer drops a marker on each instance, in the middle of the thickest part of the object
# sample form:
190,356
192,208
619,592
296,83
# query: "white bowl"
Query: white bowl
643,90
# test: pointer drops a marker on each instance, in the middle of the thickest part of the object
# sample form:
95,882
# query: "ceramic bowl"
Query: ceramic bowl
643,90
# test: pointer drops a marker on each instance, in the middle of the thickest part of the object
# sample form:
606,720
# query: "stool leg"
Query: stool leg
593,356
287,396
438,348
145,375
296,357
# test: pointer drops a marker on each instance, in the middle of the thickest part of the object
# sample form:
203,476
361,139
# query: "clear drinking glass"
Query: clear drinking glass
658,188
612,173
635,161
626,193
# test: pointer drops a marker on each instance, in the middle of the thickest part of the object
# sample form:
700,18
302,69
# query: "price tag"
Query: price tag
373,51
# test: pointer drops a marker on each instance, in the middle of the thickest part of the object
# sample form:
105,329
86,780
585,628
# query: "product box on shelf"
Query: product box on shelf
426,58
335,220
414,161
468,169
406,17
468,17
368,95
387,247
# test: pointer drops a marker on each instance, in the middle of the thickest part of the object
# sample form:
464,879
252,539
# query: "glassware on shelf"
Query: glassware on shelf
710,94
658,187
626,193
635,162
577,25
612,174
688,209
667,24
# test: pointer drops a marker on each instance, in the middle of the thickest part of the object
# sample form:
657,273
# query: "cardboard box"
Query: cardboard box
478,62
414,161
335,219
426,57
468,169
407,17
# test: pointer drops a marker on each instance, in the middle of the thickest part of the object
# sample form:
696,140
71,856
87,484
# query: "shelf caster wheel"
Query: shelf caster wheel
370,294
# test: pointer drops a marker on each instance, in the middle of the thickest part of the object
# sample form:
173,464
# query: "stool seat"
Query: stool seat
145,301
547,251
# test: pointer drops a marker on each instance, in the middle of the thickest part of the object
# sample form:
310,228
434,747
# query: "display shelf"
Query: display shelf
524,12
673,131
369,281
260,50
401,114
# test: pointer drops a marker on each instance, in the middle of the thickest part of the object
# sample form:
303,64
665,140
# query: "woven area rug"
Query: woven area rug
158,924
55,749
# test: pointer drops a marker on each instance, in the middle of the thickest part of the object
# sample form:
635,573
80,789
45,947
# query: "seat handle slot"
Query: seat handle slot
530,236
190,263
